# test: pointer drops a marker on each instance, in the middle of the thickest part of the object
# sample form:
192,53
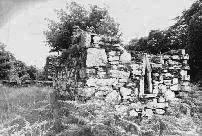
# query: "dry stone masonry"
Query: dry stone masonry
137,84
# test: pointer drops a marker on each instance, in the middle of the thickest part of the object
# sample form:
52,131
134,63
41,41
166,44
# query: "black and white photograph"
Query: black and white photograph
100,67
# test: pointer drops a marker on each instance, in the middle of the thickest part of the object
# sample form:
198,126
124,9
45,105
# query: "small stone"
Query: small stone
123,80
149,113
175,81
133,113
160,111
96,39
114,58
100,94
161,105
112,53
161,99
167,82
91,82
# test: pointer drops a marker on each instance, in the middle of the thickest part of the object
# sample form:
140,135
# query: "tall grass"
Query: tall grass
25,110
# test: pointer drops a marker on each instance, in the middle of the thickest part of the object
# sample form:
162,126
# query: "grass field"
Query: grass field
25,111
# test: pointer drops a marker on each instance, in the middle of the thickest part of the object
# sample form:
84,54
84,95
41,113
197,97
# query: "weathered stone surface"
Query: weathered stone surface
96,57
121,109
133,113
87,92
161,99
100,94
175,81
113,58
119,74
137,105
113,97
169,95
125,92
161,105
101,82
125,57
160,111
148,112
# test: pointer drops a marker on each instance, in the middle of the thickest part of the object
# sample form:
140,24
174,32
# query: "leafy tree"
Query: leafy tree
193,19
5,65
60,34
32,71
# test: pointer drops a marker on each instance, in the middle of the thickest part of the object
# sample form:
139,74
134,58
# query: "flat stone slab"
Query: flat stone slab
96,57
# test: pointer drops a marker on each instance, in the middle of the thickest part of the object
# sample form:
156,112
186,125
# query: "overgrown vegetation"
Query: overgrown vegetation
25,111
98,118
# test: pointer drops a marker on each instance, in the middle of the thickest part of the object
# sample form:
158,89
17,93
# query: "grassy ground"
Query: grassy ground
25,111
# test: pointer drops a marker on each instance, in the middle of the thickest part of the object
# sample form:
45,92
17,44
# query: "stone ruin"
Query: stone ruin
138,84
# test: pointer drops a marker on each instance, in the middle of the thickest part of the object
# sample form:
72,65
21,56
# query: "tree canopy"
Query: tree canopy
97,20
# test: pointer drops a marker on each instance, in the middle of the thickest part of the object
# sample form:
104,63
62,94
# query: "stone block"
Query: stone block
105,88
161,105
161,99
123,80
114,62
175,81
175,87
186,77
135,66
137,72
137,106
183,72
96,57
125,57
113,58
148,112
113,97
185,57
119,74
112,53
125,92
160,111
133,113
176,57
101,82
102,74
169,95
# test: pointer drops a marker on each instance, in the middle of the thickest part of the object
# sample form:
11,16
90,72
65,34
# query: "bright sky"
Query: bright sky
23,33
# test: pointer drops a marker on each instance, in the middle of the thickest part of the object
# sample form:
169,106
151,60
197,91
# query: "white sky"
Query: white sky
23,34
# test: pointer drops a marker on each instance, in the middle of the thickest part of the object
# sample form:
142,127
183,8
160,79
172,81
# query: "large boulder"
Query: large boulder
96,57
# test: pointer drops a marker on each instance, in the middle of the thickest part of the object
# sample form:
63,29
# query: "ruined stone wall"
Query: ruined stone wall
137,84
